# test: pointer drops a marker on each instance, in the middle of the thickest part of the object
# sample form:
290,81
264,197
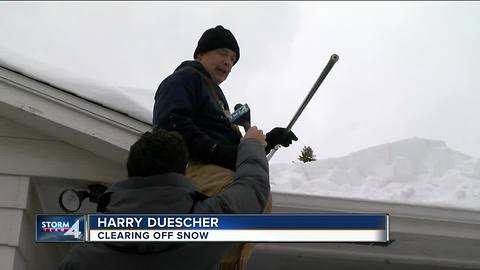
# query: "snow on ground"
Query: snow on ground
412,171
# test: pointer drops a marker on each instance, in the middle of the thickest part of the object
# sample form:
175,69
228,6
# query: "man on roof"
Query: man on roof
191,102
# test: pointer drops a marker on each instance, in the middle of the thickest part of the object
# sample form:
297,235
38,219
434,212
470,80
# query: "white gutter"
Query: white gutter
425,237
87,120
404,218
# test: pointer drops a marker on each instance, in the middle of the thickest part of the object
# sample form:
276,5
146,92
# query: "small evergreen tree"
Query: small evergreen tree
307,154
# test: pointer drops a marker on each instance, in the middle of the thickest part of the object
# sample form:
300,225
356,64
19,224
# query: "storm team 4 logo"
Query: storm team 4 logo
60,228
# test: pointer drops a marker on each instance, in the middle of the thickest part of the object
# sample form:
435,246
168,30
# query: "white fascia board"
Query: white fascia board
68,110
425,236
406,253
404,218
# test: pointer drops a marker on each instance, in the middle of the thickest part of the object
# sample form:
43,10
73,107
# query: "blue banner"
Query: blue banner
214,228
223,222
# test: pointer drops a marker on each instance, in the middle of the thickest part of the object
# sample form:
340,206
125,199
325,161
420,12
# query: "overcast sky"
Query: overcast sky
406,68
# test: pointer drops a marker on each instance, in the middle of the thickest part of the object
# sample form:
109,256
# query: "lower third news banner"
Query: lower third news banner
221,228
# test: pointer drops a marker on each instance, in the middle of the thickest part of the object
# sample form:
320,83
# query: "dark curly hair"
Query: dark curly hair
157,152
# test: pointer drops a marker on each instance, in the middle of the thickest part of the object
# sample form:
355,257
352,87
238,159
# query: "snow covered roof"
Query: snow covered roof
70,118
96,92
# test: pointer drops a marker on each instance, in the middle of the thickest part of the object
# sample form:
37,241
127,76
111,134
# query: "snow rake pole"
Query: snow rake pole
326,70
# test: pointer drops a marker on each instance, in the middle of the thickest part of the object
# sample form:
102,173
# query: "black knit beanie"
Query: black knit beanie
215,38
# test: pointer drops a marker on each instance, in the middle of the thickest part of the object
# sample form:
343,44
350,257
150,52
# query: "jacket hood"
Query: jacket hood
169,193
196,65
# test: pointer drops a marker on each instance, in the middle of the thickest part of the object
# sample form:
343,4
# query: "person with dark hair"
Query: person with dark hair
157,184
191,102
157,153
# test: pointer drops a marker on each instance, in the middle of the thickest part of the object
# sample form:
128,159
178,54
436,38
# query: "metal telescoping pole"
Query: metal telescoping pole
326,70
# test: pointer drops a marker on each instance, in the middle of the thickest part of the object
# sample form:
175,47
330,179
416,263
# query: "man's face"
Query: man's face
218,63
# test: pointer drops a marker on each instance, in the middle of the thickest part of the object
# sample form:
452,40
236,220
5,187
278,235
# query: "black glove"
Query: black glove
280,136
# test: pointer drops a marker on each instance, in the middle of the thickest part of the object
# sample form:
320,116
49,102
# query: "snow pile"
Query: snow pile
117,98
412,171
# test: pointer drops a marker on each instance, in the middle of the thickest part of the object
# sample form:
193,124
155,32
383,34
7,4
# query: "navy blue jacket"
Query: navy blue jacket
185,102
